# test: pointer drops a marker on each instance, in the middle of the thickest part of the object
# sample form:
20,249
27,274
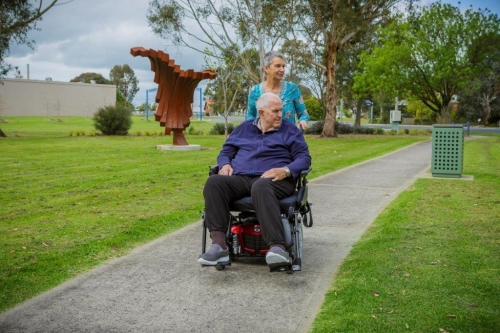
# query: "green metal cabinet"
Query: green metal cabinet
447,151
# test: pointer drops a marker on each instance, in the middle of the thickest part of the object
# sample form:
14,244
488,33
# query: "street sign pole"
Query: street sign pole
147,101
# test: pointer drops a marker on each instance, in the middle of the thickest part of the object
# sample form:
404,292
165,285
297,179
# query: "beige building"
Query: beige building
19,97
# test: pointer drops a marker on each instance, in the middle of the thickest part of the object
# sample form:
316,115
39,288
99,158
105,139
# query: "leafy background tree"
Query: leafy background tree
87,77
125,80
432,54
99,79
230,88
330,27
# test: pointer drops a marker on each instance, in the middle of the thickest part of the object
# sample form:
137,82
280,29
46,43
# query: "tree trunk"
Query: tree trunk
486,111
359,106
445,117
331,91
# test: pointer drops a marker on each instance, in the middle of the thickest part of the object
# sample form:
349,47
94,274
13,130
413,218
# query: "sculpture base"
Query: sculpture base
177,147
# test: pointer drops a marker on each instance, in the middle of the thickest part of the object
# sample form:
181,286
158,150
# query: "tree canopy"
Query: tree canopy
432,55
87,77
125,80
313,32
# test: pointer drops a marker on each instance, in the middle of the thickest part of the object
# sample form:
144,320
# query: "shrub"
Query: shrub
113,120
314,108
192,131
219,128
379,130
343,128
315,128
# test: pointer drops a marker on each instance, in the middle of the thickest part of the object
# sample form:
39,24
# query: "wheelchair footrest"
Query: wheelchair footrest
288,268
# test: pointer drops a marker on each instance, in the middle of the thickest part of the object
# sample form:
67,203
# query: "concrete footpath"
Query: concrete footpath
161,288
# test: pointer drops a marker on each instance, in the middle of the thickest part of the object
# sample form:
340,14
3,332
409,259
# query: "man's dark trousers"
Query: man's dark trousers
220,190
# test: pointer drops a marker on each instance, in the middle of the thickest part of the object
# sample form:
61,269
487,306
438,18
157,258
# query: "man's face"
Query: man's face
271,117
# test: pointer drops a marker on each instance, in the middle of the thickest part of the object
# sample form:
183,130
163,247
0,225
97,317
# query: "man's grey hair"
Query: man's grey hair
268,57
264,99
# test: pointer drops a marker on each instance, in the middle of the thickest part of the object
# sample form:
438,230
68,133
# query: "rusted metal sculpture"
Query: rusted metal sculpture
175,92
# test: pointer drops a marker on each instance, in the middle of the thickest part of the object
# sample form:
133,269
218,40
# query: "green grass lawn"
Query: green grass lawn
74,126
430,262
69,203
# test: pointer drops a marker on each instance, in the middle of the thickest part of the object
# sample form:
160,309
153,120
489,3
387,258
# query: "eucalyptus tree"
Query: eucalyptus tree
327,27
222,25
125,80
229,90
433,54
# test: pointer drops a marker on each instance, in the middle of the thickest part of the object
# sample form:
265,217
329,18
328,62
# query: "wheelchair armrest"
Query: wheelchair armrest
213,170
305,172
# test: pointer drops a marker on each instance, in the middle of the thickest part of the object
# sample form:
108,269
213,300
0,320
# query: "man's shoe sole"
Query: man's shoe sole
221,261
274,258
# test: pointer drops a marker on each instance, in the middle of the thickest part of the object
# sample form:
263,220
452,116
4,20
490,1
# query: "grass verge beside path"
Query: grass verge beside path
430,261
68,204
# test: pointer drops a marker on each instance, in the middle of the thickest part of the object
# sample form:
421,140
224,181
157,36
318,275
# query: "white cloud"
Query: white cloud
93,36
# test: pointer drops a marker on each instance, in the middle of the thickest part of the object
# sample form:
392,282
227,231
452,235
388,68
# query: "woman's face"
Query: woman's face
276,70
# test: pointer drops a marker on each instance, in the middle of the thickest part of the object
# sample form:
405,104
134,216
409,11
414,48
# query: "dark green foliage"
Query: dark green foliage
219,128
123,77
88,76
342,128
316,128
113,120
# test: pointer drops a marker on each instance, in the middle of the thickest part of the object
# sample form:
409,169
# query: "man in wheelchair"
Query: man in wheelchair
262,158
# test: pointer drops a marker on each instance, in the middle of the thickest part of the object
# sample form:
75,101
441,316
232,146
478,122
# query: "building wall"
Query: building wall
20,97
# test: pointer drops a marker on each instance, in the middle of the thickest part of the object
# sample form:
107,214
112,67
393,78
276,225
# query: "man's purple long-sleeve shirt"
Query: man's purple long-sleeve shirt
251,152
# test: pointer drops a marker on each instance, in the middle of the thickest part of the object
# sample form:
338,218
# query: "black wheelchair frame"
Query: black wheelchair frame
295,212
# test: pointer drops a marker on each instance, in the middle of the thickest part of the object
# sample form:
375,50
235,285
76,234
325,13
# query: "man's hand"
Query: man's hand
302,125
226,170
274,173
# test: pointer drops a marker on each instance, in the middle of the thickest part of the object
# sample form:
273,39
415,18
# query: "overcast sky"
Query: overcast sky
94,35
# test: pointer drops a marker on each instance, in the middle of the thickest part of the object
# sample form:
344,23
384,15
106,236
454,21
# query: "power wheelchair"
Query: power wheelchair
244,236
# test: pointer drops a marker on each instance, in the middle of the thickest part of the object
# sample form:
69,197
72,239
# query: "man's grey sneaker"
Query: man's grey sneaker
215,255
276,255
